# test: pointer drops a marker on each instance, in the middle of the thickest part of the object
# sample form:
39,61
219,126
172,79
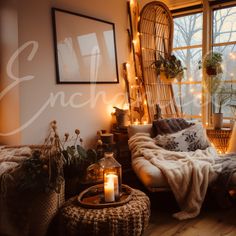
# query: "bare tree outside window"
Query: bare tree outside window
188,48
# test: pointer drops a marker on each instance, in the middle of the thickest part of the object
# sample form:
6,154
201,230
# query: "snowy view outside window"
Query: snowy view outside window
188,48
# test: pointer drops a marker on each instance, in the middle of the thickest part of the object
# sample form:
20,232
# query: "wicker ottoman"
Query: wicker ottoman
128,219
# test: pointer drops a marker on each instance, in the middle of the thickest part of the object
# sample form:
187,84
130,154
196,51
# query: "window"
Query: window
188,48
224,41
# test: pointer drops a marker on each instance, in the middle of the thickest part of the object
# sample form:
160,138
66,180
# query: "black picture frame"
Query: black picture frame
84,48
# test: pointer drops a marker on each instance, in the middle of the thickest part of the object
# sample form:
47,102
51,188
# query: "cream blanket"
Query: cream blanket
11,157
187,173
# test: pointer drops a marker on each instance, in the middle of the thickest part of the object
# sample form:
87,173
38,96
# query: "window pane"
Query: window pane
191,98
190,59
229,61
229,74
224,25
188,30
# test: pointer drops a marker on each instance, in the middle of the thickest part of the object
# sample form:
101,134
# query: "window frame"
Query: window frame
182,13
207,45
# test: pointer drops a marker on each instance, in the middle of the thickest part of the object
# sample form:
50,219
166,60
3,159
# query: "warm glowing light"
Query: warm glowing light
143,48
134,41
111,189
206,123
175,80
131,2
199,96
232,55
222,66
232,74
132,86
200,114
111,110
145,102
191,90
136,122
190,79
145,122
136,78
138,34
126,106
139,18
127,65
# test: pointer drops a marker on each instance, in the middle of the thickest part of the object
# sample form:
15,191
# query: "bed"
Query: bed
152,171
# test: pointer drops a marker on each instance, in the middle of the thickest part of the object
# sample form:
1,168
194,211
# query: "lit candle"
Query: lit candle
136,122
109,192
145,122
113,179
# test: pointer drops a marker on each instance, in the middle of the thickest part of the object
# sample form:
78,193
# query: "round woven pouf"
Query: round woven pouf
129,219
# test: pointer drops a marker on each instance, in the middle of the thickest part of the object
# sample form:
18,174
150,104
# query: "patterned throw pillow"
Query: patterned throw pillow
189,139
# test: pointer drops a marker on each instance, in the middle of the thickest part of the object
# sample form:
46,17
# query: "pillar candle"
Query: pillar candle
112,178
109,192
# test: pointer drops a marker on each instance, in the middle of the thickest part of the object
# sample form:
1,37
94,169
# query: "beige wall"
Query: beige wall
9,96
34,20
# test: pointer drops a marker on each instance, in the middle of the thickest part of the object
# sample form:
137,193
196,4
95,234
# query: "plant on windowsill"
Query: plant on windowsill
169,68
223,96
213,84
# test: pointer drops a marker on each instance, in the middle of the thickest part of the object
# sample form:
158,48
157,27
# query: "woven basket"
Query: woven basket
219,138
28,213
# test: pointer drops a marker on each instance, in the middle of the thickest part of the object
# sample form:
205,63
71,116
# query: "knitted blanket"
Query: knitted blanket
187,173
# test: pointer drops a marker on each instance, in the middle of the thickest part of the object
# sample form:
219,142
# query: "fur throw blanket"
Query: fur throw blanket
187,173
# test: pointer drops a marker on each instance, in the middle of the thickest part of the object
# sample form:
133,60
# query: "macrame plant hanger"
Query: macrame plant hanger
156,37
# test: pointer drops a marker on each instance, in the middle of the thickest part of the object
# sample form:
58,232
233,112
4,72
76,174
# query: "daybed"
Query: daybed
186,173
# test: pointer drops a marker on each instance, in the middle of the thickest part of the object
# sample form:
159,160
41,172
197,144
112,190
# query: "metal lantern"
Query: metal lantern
112,177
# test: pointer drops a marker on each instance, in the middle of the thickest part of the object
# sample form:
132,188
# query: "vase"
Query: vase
217,119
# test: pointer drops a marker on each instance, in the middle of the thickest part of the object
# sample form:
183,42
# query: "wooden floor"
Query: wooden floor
212,221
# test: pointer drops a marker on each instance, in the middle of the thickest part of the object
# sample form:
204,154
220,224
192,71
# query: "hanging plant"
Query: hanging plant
212,63
170,66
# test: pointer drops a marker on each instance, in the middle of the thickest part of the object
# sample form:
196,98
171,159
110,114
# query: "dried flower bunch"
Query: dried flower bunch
43,171
46,168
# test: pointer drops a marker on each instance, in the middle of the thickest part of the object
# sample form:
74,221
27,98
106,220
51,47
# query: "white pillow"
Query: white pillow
133,129
189,139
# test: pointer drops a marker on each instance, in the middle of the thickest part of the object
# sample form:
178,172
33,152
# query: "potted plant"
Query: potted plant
212,63
170,66
223,96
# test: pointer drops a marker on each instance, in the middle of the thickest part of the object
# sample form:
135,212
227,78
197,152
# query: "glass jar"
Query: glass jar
112,177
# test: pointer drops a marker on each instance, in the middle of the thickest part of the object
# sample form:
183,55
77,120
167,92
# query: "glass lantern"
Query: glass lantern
111,177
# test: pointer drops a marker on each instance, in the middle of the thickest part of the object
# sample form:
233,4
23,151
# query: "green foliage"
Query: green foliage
171,66
212,63
213,59
37,174
77,159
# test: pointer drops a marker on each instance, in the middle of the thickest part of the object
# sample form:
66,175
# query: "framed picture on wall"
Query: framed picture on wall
85,49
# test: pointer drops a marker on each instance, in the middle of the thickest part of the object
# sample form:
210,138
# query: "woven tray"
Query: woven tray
93,197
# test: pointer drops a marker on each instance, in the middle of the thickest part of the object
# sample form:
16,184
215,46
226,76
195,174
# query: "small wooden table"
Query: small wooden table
219,138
